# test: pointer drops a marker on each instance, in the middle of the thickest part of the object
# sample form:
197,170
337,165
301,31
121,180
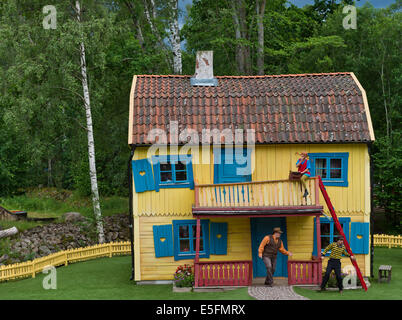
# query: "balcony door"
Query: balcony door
260,227
232,165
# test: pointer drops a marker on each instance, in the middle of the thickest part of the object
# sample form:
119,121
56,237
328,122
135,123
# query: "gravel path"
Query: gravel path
274,293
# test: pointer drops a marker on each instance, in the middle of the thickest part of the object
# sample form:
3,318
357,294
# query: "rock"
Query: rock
44,249
3,258
73,217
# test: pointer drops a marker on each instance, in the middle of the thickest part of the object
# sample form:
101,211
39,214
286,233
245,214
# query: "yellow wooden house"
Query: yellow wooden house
210,161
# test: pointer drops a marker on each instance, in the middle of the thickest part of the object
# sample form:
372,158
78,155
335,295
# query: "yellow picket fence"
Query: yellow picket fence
30,268
384,240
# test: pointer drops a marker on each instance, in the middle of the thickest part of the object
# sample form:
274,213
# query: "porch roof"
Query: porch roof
312,210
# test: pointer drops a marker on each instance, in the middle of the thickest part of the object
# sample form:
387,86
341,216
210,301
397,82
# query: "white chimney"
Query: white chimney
204,70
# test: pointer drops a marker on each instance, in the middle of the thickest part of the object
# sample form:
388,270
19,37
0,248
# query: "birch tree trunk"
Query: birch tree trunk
174,36
260,7
91,143
8,232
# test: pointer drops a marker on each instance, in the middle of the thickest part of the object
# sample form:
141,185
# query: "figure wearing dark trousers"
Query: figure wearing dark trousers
334,263
268,251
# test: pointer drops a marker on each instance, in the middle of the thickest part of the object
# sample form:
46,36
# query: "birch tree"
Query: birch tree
91,142
174,36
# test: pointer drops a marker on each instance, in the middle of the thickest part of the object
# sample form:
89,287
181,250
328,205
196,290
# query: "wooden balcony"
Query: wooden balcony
256,195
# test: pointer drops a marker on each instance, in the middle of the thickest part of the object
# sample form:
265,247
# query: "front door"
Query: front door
260,227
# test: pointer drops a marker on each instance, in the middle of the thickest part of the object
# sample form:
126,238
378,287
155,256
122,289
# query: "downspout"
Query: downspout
130,217
369,145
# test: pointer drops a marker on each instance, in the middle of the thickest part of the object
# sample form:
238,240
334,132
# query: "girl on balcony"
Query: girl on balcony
303,166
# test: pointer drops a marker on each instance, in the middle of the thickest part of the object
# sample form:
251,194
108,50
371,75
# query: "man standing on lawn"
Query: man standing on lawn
268,251
334,263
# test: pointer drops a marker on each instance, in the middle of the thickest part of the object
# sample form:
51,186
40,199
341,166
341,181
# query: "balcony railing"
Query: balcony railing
275,193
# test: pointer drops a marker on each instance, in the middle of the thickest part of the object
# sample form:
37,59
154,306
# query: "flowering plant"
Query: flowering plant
184,277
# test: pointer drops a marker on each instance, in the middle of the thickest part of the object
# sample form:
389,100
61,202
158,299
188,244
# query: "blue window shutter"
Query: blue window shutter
359,237
163,240
219,238
190,174
143,175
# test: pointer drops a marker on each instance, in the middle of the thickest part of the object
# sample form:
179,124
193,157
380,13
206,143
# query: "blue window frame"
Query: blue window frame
332,167
329,232
184,232
230,165
173,171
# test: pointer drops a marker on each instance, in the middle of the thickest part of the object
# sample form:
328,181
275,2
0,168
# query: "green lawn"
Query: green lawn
106,278
377,291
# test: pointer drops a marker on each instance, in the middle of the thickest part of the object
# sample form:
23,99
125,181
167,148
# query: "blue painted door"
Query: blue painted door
229,170
260,227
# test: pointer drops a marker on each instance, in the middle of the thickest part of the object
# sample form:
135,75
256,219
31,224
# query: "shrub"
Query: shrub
184,276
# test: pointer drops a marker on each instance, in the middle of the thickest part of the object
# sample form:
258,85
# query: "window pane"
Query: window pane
166,176
321,168
324,242
185,245
325,229
336,232
181,175
201,244
183,232
195,231
321,163
180,166
336,173
166,167
336,163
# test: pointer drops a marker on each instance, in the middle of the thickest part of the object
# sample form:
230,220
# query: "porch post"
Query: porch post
318,229
197,255
197,241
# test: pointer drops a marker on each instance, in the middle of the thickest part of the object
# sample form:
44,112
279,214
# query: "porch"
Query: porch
257,199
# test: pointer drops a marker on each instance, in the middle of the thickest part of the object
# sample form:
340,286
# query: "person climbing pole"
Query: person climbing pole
303,166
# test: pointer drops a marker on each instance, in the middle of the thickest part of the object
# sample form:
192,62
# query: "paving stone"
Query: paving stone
274,293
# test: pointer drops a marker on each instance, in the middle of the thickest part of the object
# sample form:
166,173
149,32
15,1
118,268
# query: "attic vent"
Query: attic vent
204,71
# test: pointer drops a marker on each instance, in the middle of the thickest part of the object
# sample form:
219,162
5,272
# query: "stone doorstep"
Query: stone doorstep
217,288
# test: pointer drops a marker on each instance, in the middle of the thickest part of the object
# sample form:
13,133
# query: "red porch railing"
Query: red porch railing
223,273
304,272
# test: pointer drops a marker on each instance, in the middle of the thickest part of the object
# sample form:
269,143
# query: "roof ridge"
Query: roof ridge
253,76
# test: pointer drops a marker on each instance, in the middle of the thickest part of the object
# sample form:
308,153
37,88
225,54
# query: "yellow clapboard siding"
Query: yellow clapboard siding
152,268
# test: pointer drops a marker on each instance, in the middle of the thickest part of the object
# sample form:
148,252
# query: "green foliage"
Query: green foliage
43,140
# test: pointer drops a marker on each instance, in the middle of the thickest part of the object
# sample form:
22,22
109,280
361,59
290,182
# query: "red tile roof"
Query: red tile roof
300,108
